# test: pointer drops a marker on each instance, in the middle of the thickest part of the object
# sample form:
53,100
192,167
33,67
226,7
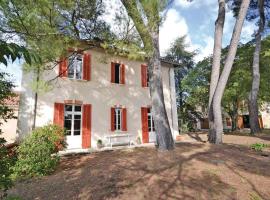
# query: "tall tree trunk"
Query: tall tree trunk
234,115
162,126
253,95
218,125
147,25
215,66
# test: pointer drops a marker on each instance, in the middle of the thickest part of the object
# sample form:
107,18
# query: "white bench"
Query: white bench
118,135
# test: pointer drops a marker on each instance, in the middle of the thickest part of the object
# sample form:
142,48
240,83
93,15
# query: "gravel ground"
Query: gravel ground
194,170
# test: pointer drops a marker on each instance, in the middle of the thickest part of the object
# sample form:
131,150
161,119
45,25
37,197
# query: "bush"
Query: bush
6,162
35,152
258,146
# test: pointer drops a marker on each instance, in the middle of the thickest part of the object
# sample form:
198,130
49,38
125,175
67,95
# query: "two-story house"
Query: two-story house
96,96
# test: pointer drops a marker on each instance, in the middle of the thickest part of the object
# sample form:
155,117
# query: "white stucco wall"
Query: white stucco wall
102,95
9,128
265,112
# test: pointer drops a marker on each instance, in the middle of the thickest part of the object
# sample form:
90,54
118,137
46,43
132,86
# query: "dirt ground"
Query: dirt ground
195,170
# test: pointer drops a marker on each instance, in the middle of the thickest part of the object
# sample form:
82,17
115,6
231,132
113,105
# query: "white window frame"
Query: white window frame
74,63
149,115
73,113
117,122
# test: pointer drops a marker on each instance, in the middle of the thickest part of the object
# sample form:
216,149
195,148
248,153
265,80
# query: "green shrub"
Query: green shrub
6,163
258,146
13,198
35,152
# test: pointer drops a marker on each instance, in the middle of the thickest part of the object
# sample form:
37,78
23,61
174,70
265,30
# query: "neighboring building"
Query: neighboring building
98,96
9,127
242,119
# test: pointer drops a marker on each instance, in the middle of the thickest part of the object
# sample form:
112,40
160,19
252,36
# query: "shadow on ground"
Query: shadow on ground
191,171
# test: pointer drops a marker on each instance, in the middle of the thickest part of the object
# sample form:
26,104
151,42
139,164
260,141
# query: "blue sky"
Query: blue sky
196,20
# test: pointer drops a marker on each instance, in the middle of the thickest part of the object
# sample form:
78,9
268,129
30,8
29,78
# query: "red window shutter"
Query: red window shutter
144,75
63,66
123,67
86,126
124,119
87,66
112,119
112,72
58,118
145,134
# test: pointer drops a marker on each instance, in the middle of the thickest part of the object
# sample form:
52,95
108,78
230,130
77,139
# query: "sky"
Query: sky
194,19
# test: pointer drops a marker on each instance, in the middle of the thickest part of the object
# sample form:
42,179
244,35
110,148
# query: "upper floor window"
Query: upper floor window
73,116
117,73
144,75
151,125
147,77
75,66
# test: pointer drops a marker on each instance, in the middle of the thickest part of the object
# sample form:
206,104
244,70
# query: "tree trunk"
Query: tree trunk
218,125
234,115
253,95
162,127
216,66
147,25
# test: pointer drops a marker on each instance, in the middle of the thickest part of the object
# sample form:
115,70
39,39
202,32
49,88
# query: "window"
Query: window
151,127
118,119
147,77
73,116
144,75
117,73
75,67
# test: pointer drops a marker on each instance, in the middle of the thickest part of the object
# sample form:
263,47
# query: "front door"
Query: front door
73,124
151,128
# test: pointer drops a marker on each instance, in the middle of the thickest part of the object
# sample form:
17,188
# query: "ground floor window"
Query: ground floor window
118,119
73,119
151,126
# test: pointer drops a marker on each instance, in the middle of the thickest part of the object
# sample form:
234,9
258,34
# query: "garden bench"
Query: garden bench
118,135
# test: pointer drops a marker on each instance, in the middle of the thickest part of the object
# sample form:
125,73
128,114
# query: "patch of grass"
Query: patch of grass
13,198
259,146
266,131
254,196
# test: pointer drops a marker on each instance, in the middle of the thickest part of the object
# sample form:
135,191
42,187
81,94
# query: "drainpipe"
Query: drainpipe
35,101
173,101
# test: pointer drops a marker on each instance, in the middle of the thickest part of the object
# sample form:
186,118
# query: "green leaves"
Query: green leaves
13,51
35,152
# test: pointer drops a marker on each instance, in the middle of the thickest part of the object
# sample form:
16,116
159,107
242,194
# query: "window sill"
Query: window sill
119,132
71,79
120,84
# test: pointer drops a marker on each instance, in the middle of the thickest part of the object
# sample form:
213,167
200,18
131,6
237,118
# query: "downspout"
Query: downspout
35,101
172,99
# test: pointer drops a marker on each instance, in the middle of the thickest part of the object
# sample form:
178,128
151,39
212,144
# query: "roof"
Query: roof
13,101
97,43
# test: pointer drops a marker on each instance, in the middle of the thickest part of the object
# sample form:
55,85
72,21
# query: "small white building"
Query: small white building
97,96
9,126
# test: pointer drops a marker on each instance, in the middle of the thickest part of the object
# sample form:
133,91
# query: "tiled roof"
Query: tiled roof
13,101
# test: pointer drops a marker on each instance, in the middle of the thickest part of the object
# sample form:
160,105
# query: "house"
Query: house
242,119
97,96
9,127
